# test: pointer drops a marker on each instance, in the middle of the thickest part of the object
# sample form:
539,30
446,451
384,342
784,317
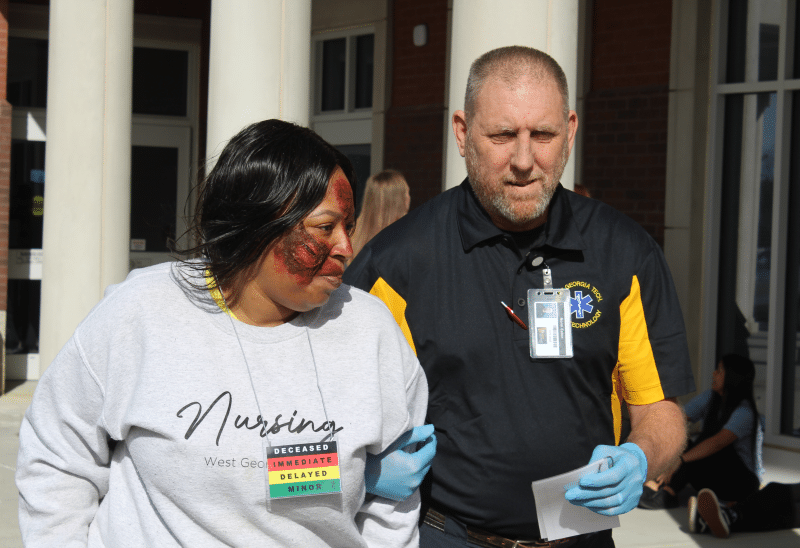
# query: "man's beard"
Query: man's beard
497,203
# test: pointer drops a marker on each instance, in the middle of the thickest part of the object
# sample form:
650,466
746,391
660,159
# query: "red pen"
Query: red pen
514,316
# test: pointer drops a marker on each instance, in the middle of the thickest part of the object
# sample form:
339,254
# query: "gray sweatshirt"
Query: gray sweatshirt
152,425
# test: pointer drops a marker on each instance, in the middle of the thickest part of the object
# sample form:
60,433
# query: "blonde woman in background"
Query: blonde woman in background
386,199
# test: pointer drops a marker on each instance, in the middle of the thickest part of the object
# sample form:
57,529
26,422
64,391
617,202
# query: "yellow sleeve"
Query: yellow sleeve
635,378
397,306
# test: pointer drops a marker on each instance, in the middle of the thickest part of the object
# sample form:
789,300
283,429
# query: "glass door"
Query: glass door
160,202
758,98
26,213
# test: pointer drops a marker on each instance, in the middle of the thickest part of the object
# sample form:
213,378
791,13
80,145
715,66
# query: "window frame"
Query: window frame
349,111
350,126
719,90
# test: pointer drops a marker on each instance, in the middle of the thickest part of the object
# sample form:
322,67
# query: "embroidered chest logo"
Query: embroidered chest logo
584,304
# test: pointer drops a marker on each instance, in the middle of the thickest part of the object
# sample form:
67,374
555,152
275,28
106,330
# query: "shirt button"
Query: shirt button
521,302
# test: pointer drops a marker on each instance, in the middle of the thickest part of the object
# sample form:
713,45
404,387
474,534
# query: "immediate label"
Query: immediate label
301,470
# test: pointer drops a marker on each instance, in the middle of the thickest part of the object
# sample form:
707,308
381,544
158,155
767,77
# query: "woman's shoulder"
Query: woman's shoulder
746,408
146,292
742,419
352,309
141,278
353,301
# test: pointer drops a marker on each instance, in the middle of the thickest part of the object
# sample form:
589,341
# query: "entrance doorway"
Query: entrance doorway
160,206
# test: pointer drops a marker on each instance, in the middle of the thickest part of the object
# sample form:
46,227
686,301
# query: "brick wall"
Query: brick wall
5,156
416,113
625,118
5,184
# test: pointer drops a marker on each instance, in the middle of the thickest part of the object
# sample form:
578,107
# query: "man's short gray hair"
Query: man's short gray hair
509,64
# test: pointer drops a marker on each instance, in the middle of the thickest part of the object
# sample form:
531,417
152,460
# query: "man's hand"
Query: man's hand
397,472
617,489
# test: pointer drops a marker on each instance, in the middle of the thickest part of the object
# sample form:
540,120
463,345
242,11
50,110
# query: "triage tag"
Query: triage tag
549,320
302,469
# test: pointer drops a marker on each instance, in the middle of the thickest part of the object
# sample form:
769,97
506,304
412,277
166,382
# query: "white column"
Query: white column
87,162
686,179
482,25
259,66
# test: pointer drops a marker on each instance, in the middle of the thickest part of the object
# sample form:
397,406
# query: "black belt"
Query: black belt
489,540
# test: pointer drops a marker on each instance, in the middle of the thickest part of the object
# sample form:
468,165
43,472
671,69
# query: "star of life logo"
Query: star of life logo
583,304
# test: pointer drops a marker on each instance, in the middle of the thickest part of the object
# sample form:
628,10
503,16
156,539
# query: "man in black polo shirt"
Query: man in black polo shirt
503,418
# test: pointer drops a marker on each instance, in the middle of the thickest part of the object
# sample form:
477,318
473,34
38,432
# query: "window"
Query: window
758,98
345,73
160,77
160,81
154,172
27,72
343,90
365,46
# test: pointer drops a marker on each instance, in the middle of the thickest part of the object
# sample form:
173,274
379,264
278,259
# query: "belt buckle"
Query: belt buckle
489,541
434,519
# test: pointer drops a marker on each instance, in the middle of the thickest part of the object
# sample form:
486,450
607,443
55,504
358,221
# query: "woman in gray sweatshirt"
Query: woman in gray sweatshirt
231,399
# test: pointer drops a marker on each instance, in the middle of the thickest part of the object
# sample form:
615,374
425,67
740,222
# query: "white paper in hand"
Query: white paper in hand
558,518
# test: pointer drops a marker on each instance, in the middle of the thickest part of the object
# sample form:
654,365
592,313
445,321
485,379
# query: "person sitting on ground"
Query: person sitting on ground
724,457
386,199
775,507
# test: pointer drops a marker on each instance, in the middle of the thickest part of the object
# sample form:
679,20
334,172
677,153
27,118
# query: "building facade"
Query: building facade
687,124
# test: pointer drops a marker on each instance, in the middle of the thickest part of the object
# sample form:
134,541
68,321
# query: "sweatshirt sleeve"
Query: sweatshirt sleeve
384,522
64,454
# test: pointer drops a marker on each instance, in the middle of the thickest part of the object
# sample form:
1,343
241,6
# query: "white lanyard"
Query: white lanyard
306,468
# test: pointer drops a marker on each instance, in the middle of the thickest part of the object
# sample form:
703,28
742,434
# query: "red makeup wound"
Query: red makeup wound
343,193
302,255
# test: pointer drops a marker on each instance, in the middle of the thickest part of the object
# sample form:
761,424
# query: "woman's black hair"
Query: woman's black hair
267,179
740,373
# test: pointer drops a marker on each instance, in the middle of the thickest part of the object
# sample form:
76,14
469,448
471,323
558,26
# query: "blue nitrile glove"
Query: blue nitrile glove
396,473
617,489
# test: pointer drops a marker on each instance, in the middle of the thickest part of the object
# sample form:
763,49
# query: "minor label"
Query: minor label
303,469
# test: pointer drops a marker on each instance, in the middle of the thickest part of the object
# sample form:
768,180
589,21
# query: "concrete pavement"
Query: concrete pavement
12,408
639,528
669,528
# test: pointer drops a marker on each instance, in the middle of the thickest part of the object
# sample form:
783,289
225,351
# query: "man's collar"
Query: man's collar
475,226
474,223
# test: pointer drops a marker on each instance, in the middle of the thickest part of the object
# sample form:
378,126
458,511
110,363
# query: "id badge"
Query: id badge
549,323
302,469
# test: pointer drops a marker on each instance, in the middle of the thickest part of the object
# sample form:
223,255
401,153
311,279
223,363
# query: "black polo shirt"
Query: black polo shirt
503,419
